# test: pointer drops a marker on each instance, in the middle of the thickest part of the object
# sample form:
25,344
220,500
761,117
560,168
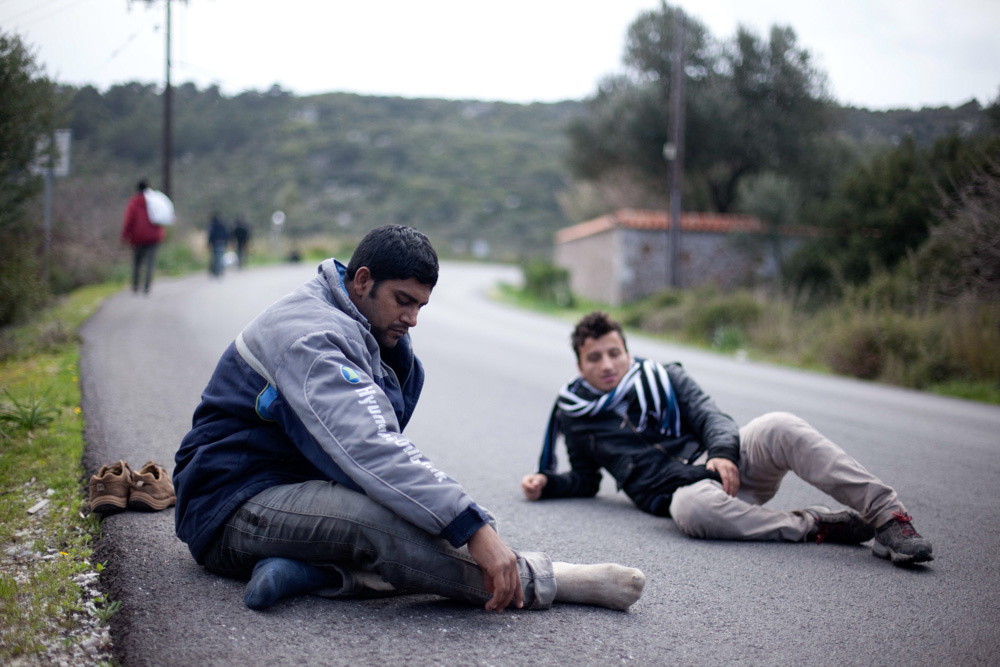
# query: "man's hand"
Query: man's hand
532,485
499,566
729,473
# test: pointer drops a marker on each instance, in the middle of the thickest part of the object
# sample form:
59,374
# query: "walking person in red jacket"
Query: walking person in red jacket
143,236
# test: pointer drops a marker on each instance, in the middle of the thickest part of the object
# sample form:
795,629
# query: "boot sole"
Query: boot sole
145,503
107,505
883,551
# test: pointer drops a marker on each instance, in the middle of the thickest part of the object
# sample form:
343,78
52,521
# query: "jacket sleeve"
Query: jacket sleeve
326,381
128,223
584,478
715,430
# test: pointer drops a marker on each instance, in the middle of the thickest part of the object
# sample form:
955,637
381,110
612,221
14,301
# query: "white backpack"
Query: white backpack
159,207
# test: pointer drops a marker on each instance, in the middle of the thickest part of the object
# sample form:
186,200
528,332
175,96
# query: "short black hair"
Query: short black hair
395,252
594,325
142,185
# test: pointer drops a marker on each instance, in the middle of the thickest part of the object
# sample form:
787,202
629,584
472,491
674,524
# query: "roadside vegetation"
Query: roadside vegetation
899,281
50,606
871,333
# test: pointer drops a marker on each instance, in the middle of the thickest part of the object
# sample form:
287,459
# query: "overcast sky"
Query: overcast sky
878,54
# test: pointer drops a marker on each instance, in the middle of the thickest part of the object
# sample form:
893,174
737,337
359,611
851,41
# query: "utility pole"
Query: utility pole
677,152
168,123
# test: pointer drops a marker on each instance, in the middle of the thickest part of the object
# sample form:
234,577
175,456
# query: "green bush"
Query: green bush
854,349
899,290
21,288
177,258
892,346
971,336
547,282
728,338
77,265
650,313
710,312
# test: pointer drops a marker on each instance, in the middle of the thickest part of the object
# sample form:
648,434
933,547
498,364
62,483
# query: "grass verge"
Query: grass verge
50,608
952,351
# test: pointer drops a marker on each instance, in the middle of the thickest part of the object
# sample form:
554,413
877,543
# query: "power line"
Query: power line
30,10
118,51
50,15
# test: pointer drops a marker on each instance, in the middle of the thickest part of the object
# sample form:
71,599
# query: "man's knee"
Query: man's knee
695,508
772,424
772,432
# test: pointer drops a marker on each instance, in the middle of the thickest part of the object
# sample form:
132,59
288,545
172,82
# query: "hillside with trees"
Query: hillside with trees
485,179
463,171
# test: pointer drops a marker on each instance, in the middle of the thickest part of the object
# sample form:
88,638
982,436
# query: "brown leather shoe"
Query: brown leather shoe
109,488
151,489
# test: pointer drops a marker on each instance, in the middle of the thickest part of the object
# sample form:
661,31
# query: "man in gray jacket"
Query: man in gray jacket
676,454
296,474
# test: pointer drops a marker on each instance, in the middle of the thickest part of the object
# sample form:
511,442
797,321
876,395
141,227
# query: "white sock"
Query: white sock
603,585
373,581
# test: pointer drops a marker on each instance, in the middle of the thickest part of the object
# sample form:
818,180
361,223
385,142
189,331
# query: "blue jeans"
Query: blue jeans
333,527
218,249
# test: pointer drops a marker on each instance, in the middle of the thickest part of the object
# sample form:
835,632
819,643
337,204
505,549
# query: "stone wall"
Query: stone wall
593,263
621,265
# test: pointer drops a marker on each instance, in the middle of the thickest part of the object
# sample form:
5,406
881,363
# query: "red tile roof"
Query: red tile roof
719,223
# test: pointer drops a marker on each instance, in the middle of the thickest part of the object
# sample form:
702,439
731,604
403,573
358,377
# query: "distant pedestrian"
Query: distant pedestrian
218,237
144,237
241,235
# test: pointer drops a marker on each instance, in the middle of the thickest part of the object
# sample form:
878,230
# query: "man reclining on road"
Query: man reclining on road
296,474
675,454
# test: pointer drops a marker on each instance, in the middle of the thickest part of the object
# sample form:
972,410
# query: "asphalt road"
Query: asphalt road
492,375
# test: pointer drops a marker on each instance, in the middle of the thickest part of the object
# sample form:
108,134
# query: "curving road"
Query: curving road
492,374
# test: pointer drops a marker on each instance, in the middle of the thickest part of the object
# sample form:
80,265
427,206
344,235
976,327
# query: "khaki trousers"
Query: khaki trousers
770,446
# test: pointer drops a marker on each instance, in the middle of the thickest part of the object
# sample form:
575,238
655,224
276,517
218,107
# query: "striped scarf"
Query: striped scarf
649,382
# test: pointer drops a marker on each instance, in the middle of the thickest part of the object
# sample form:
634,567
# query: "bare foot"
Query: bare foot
603,585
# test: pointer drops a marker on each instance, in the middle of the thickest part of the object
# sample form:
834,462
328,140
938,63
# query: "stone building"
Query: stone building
623,256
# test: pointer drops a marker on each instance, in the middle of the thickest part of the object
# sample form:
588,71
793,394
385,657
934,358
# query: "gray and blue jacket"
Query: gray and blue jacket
304,393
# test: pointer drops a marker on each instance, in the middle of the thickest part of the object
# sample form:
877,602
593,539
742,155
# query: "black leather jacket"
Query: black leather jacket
647,466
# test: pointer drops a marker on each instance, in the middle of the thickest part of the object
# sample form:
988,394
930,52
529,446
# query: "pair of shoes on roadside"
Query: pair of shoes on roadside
896,539
116,487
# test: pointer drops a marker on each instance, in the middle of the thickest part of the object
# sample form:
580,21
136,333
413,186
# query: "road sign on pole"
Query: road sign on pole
51,163
58,164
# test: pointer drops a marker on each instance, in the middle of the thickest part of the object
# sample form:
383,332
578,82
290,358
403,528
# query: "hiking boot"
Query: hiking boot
843,527
899,541
109,488
151,489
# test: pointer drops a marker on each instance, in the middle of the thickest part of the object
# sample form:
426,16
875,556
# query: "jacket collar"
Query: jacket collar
334,273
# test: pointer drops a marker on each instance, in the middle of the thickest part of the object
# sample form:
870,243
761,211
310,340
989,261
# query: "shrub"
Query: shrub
891,346
737,311
971,339
547,282
178,258
854,349
319,247
728,338
652,312
21,288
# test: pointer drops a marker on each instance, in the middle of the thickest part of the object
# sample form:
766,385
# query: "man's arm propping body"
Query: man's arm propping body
716,430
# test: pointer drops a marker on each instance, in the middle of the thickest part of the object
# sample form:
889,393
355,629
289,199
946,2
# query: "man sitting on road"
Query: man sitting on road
296,474
675,454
